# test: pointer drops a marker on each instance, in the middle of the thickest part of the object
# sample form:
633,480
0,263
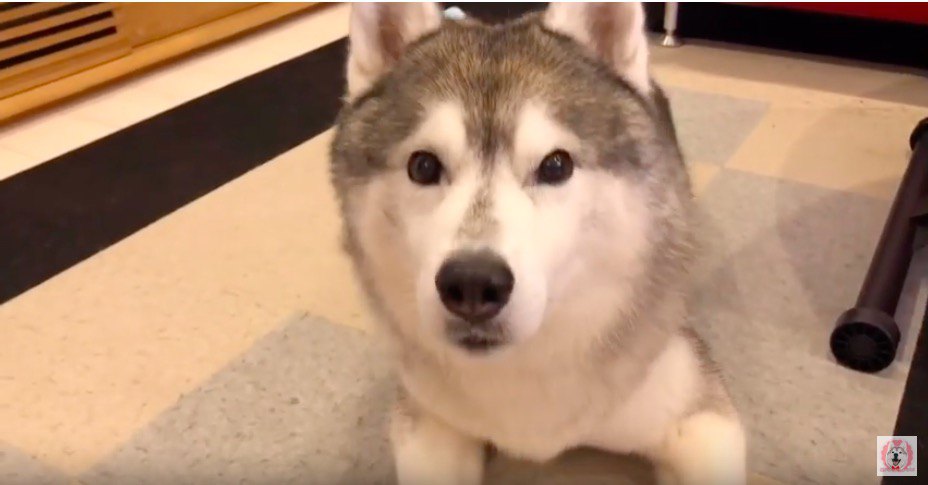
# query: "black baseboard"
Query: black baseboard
842,36
805,32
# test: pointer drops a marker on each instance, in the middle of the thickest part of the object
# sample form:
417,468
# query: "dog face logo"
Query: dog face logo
896,455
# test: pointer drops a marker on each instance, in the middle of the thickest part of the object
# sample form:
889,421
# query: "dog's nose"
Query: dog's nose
474,286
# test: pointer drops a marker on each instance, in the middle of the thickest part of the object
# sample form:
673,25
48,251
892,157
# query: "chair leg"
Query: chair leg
671,10
866,337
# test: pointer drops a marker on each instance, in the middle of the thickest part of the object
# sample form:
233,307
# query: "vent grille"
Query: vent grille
40,42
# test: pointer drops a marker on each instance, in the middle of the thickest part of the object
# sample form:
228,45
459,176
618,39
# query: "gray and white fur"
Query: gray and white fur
530,313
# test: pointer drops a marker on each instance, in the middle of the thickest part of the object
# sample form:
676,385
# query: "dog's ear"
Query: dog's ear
613,32
378,35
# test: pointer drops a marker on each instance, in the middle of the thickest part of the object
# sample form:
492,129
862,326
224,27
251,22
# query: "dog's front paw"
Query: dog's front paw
428,452
703,449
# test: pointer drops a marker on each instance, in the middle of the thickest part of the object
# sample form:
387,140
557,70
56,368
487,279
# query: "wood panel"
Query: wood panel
27,45
41,42
61,64
11,16
106,67
9,34
146,22
46,41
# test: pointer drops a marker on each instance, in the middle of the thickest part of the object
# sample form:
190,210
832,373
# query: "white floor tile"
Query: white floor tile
123,106
49,136
12,162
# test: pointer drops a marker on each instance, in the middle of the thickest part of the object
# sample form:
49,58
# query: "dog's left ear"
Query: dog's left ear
379,33
613,32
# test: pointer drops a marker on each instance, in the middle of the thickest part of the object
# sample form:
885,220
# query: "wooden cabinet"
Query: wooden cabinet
40,42
145,22
49,51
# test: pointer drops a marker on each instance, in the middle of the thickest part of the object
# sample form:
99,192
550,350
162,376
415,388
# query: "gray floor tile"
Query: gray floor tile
782,261
19,468
710,126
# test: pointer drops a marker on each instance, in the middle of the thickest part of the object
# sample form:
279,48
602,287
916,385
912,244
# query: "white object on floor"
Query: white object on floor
455,13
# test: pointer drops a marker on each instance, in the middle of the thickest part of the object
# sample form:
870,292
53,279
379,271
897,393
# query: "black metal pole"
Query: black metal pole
866,337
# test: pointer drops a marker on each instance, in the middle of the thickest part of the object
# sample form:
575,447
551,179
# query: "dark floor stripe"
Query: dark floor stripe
59,213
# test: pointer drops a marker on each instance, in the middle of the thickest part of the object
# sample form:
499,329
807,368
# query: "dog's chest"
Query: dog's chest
531,418
622,407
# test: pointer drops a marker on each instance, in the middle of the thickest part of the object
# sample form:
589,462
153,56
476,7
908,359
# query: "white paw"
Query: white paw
706,449
428,452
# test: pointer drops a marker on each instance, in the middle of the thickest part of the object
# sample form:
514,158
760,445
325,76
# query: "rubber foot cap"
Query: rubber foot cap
865,339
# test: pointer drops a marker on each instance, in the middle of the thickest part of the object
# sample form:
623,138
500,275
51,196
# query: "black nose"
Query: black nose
474,286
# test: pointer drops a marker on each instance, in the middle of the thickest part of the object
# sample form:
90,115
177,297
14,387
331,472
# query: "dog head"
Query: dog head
500,182
896,456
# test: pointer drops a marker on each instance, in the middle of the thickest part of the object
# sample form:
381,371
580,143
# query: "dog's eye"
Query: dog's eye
424,168
555,168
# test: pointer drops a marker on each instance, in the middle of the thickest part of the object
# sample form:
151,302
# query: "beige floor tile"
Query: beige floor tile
701,174
174,306
183,81
124,105
859,146
12,162
18,468
61,131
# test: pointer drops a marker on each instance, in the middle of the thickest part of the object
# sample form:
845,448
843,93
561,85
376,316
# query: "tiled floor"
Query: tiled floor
36,139
195,307
805,105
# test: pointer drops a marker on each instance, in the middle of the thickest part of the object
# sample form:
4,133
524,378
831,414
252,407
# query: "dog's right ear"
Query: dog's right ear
379,33
612,32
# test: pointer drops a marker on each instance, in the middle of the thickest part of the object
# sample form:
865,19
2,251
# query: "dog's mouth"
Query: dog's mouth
479,338
478,344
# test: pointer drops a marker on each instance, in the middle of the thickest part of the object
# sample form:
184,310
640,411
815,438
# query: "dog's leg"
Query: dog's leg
429,452
706,448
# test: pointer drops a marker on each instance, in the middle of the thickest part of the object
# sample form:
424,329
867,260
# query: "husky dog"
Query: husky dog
896,457
517,210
